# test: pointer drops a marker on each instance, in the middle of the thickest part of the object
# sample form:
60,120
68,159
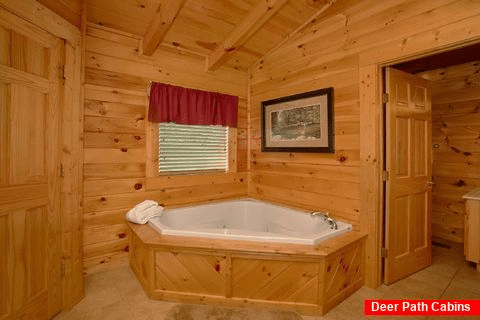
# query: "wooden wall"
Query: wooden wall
115,146
456,140
328,53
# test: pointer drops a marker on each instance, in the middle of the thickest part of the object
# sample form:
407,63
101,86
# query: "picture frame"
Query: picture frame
299,123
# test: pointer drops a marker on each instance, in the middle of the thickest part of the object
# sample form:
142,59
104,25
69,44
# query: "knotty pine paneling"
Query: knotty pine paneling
456,139
328,182
327,53
201,26
115,147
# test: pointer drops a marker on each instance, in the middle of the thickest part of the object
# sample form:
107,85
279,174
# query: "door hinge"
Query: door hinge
62,171
385,175
384,252
62,72
62,269
385,98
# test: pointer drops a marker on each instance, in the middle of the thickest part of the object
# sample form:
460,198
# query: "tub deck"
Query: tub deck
303,278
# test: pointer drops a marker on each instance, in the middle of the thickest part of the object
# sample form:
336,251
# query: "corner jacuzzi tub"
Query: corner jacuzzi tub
247,220
247,253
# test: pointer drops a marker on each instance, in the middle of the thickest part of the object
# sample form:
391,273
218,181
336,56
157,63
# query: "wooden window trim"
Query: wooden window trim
151,165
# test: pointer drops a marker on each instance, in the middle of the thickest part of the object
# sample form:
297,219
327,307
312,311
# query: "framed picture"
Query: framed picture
299,123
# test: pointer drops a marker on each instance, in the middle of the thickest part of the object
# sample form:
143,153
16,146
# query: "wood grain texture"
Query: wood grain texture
275,280
72,172
189,272
117,144
30,207
307,279
207,27
472,232
371,126
408,161
312,181
39,15
343,273
70,10
341,49
455,155
163,19
255,19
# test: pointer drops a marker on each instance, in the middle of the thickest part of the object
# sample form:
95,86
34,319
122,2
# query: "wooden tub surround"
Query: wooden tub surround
307,279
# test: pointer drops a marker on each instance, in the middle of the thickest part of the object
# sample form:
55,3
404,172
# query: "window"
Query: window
192,148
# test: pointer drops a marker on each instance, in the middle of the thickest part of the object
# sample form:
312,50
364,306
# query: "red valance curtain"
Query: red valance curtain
190,106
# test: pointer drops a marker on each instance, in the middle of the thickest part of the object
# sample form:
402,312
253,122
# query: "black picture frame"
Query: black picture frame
299,123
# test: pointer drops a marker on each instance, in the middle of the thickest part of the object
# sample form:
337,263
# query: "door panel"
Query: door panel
29,166
400,231
402,160
27,129
4,101
418,223
409,158
28,55
420,166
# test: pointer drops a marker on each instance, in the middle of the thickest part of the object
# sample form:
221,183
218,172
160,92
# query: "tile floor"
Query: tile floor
118,295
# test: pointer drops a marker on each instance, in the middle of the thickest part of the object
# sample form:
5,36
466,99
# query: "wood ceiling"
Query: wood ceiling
235,33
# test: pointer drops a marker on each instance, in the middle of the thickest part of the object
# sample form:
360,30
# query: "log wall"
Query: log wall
115,130
337,50
456,140
329,53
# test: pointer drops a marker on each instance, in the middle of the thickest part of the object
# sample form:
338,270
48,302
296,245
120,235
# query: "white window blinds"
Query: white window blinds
190,148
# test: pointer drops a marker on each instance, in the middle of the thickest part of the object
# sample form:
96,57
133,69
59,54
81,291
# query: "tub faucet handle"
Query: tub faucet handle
324,215
332,223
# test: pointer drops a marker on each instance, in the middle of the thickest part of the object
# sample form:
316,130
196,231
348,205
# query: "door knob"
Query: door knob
430,183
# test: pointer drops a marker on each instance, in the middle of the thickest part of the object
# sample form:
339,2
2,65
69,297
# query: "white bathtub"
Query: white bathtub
247,219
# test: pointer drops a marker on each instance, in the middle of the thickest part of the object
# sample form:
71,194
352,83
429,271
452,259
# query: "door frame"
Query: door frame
371,63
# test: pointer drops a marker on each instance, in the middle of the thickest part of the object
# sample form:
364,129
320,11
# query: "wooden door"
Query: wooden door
409,167
30,95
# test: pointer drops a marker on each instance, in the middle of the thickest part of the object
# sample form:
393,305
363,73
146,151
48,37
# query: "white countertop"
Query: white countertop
472,194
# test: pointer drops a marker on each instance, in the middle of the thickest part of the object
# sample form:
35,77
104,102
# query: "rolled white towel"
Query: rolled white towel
144,211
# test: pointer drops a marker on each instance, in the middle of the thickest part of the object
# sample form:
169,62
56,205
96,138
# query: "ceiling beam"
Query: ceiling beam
162,21
318,14
72,15
255,19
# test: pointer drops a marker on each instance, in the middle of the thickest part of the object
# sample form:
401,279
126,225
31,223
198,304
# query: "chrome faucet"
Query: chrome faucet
332,223
317,213
326,217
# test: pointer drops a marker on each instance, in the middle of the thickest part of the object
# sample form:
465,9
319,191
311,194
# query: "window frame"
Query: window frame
152,155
